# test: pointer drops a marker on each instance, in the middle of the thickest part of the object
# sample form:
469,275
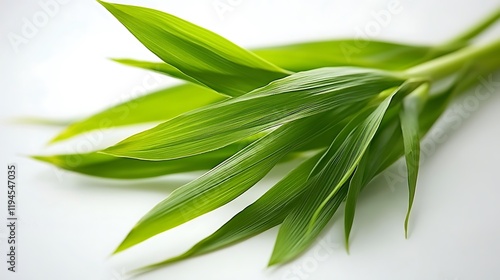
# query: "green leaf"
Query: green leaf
296,96
345,157
106,166
312,55
327,185
355,186
306,56
154,107
199,53
226,181
266,212
348,52
388,143
410,110
385,148
160,67
295,235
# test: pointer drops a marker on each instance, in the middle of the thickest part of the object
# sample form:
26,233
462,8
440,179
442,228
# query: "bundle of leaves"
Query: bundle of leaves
348,113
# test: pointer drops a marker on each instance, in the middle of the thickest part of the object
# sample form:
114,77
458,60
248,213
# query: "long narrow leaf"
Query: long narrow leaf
106,166
158,106
327,185
295,235
294,97
409,113
346,157
355,186
160,67
306,56
199,53
266,212
226,181
296,57
348,52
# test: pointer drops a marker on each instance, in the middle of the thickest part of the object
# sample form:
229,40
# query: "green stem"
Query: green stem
476,29
448,64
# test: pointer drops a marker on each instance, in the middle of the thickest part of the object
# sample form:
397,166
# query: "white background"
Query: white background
69,224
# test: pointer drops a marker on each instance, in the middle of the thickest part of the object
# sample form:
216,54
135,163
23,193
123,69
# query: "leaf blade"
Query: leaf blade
224,182
409,114
307,56
328,181
144,109
355,186
199,53
348,155
160,67
106,166
347,52
266,212
297,96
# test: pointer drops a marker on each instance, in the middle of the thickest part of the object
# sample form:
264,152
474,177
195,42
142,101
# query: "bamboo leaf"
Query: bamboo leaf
327,185
199,53
266,212
311,55
295,235
154,107
349,52
346,157
226,181
106,166
411,107
389,148
307,56
355,186
297,96
160,67
388,144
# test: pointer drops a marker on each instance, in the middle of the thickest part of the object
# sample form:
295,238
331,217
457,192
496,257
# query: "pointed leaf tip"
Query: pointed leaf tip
410,128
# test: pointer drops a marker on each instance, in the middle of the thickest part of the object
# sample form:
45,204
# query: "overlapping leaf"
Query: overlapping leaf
387,145
410,110
226,181
296,96
306,56
374,54
355,185
327,185
160,67
181,99
266,212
